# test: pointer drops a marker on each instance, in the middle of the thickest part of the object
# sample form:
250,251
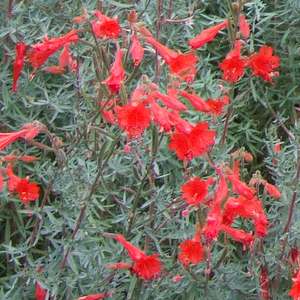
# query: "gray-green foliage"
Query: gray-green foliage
68,106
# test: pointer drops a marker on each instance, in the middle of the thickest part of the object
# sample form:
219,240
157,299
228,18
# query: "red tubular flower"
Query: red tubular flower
233,66
161,117
207,35
40,52
239,235
95,296
181,65
194,191
105,27
263,63
240,187
27,191
66,59
197,102
244,26
57,70
133,119
117,74
40,293
181,125
272,190
295,290
136,50
191,251
264,284
147,267
18,63
169,101
27,132
196,143
118,266
214,218
277,148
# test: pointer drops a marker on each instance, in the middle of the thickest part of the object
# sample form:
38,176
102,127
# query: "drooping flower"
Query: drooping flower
244,26
181,125
264,63
40,292
233,66
238,235
66,59
27,132
57,70
207,35
295,290
277,148
182,65
147,267
117,74
18,63
272,190
169,101
40,52
95,296
82,18
214,217
240,187
194,191
133,119
136,50
197,102
161,117
264,284
105,27
191,251
196,143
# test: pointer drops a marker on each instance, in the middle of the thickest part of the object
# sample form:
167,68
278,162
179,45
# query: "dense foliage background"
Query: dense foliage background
91,170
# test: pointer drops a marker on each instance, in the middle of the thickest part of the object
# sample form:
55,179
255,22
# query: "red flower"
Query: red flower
191,251
27,132
27,191
182,65
161,117
264,284
197,102
106,27
239,235
147,267
66,59
263,63
117,74
196,143
57,70
40,293
181,125
207,35
295,290
272,190
240,187
244,26
233,66
194,191
133,119
169,101
214,217
136,50
18,63
277,148
217,106
40,52
95,296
